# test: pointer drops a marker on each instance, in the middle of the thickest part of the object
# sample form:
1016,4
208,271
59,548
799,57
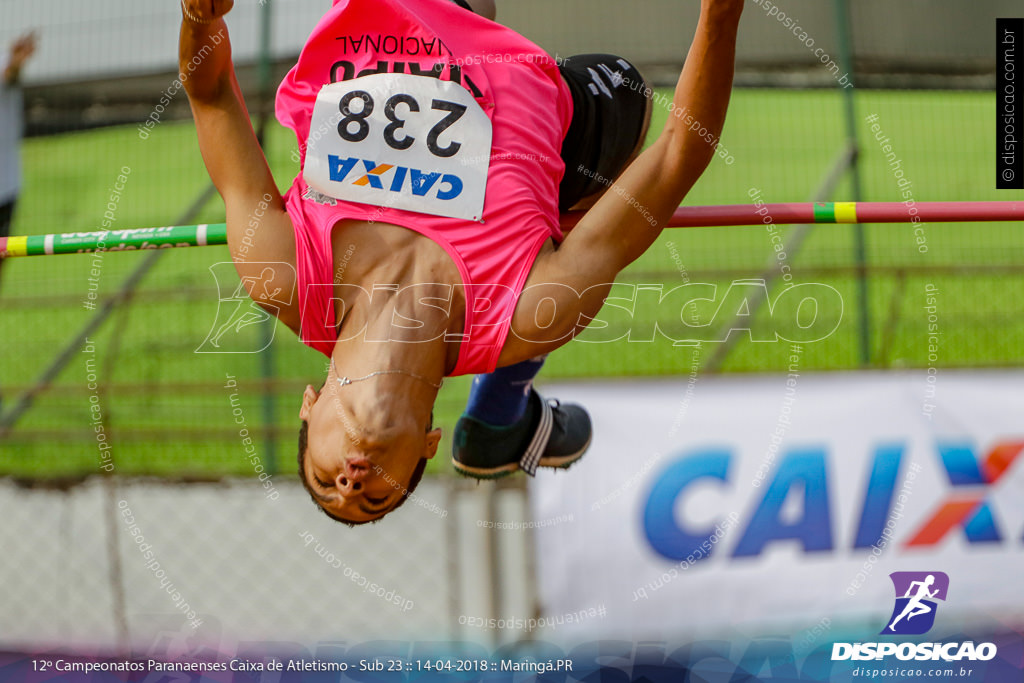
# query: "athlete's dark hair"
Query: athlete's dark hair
414,480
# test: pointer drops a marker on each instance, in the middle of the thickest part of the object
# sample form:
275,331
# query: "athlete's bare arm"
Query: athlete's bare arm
616,231
259,229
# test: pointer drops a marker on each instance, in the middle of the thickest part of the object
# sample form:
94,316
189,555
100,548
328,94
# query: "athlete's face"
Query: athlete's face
360,472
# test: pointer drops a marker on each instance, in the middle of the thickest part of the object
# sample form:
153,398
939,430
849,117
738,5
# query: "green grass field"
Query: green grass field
166,408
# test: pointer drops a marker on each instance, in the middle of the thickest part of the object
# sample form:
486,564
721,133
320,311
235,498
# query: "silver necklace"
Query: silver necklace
344,381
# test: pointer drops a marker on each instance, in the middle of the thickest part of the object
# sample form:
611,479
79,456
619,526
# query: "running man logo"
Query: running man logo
243,306
916,592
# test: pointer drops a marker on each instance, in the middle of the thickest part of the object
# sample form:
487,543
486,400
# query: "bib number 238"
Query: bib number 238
397,140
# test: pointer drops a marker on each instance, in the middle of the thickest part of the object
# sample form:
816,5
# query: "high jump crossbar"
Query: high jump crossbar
209,234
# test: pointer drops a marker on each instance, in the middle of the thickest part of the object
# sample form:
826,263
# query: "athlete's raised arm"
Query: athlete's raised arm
632,213
259,229
617,229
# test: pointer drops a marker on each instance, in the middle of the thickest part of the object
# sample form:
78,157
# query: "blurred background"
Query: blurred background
189,433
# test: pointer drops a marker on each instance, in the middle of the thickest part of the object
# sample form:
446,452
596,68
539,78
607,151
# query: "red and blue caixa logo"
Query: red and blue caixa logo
803,475
419,183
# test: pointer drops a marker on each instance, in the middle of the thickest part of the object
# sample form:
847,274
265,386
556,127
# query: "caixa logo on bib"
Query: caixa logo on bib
372,175
914,614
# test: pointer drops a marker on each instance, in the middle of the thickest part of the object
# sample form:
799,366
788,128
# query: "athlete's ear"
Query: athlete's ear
433,438
309,397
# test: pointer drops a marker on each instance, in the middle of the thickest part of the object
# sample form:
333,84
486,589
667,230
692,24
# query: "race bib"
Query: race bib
397,140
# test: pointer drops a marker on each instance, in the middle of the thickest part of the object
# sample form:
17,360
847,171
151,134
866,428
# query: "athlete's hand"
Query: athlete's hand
22,49
205,11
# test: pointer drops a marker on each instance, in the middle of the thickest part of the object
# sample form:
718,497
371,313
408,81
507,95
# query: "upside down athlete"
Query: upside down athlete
421,239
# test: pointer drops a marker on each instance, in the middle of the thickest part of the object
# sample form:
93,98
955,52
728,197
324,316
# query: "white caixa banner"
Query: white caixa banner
777,503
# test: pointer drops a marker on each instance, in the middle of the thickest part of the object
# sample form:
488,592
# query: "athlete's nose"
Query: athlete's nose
347,484
353,472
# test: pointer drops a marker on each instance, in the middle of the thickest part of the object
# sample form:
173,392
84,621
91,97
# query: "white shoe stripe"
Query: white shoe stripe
528,463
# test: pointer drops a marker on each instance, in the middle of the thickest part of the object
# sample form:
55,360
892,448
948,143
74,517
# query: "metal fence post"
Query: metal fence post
267,370
844,33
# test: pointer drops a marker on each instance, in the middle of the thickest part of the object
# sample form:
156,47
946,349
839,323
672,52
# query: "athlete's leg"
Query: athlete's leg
500,398
610,120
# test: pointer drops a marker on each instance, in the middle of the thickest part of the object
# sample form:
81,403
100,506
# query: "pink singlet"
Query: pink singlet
530,108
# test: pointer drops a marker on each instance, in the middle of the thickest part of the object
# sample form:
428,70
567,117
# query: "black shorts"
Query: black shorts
6,216
608,118
609,115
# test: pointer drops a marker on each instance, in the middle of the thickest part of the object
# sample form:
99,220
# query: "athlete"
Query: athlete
421,238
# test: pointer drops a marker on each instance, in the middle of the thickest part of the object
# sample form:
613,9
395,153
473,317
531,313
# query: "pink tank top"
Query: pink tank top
519,88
